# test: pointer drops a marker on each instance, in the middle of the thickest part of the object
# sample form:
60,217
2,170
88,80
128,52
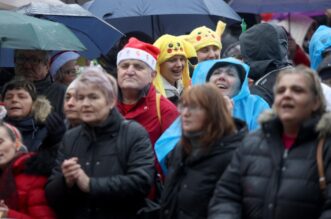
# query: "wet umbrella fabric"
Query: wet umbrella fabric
97,35
18,31
159,17
263,6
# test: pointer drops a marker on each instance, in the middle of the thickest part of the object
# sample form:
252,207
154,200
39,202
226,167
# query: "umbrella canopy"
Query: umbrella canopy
159,17
263,6
97,35
12,4
18,31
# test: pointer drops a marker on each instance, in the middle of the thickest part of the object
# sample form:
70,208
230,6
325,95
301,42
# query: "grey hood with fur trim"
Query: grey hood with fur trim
322,127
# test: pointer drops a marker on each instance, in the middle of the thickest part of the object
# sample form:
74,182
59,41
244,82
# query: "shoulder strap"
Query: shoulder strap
320,163
158,107
122,142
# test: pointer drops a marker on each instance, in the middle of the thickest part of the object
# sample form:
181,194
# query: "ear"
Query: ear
153,74
317,104
112,103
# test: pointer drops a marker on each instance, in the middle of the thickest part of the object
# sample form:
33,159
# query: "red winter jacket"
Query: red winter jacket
145,113
31,194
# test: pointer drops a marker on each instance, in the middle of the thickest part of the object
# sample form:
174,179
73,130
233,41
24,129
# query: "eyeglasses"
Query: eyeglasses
191,108
31,60
70,72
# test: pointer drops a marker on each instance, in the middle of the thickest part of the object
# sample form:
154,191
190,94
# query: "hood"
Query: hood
202,69
41,108
320,40
264,48
323,126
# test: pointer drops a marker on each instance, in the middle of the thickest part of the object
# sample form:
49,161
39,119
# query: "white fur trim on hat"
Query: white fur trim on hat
132,53
62,59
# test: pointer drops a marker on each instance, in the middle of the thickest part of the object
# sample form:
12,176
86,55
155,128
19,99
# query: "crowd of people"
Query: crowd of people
183,130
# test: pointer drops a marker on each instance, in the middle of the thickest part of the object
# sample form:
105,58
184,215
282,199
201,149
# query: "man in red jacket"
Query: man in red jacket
138,99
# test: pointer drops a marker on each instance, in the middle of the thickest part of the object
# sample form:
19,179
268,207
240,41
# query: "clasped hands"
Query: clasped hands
74,174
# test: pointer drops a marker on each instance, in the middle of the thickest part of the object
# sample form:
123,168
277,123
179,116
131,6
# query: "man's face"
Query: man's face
31,64
133,74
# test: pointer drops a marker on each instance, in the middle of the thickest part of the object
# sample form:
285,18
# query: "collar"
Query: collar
43,84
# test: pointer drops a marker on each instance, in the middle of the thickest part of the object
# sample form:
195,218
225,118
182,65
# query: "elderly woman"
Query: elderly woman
274,173
31,114
231,77
209,138
105,166
172,69
71,107
63,67
22,192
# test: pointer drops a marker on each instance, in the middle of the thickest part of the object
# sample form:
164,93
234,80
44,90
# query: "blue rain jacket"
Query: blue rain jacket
320,40
247,107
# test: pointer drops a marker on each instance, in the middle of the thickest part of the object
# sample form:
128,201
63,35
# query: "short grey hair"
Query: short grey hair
98,77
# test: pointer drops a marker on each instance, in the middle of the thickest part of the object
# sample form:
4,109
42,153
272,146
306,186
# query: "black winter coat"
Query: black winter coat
191,181
114,192
264,180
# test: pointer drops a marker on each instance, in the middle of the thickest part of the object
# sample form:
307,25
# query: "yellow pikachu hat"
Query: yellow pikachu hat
170,46
203,36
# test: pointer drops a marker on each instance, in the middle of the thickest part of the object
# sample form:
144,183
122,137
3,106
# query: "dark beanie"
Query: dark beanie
20,84
240,69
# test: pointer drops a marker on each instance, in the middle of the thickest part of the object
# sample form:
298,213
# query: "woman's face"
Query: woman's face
68,72
94,105
172,69
294,100
18,103
7,147
227,80
70,106
193,117
208,53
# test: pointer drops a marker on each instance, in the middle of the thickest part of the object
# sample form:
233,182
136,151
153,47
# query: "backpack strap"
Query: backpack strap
122,142
158,107
320,163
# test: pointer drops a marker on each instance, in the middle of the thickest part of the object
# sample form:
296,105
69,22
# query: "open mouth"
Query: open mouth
287,106
222,86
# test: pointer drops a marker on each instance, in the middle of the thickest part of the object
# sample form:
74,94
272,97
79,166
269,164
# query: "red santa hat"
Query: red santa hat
139,50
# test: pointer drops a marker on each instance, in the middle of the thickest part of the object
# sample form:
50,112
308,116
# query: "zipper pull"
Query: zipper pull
285,154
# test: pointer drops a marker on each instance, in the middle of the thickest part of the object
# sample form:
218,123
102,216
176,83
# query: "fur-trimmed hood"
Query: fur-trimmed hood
323,127
41,108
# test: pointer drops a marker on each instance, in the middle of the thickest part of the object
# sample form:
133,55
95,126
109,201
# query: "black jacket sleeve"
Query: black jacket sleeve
227,198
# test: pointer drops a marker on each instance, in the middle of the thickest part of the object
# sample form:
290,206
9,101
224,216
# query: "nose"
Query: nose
71,102
130,70
211,54
287,93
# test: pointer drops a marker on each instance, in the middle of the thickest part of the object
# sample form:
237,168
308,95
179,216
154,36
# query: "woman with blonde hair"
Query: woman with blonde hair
274,174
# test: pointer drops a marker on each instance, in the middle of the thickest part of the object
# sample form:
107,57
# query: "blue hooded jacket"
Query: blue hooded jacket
320,40
247,107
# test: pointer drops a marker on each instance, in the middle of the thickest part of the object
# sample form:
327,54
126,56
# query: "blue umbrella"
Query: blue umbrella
158,17
97,35
263,6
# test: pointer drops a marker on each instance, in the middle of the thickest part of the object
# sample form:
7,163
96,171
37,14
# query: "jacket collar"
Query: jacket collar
108,128
43,84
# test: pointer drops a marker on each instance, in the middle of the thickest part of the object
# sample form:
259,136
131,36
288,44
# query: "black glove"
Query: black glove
56,128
